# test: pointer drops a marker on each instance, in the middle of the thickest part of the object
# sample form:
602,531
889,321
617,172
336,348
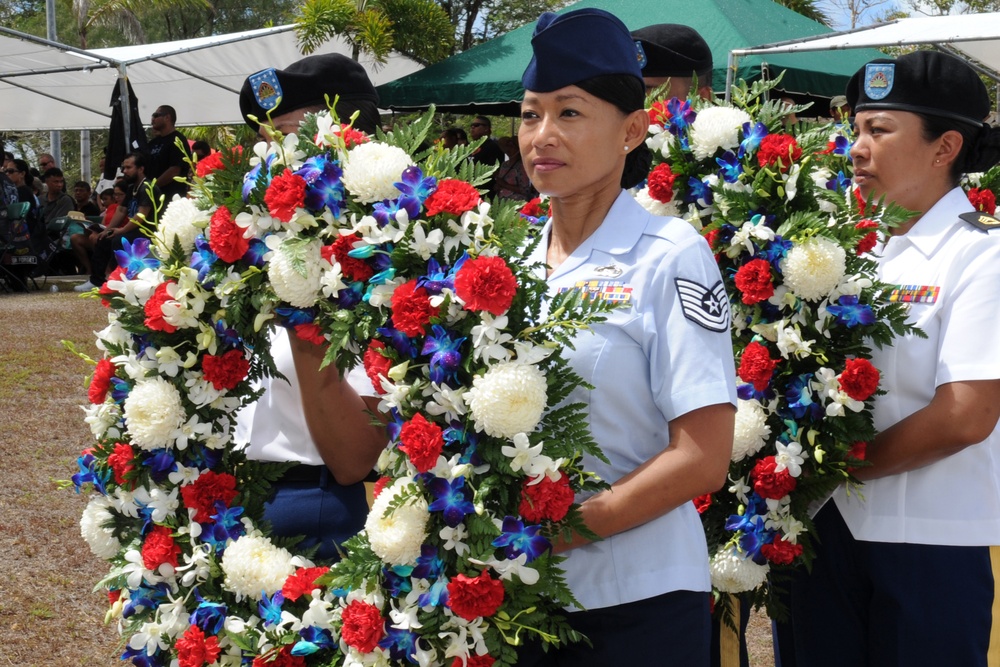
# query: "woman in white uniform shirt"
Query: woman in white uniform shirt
905,571
661,366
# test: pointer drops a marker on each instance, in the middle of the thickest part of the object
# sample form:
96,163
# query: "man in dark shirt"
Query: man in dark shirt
82,201
489,153
167,160
56,203
137,207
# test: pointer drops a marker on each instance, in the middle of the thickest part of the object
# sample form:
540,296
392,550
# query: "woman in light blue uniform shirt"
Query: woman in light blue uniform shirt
662,406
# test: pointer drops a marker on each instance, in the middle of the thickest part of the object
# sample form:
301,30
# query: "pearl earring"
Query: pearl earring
626,148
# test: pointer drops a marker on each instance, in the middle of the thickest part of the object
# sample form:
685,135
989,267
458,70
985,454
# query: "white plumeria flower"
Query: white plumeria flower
424,244
790,456
522,454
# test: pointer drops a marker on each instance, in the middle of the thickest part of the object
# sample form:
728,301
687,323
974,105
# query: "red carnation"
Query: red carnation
379,485
286,192
422,441
756,366
225,371
225,237
545,500
159,548
302,582
983,200
471,597
661,183
857,452
352,137
195,650
771,484
310,332
279,658
781,552
154,308
474,661
778,149
411,309
753,280
702,503
106,292
208,164
363,626
659,114
533,208
452,196
486,283
101,381
210,488
120,461
354,269
859,379
376,364
869,240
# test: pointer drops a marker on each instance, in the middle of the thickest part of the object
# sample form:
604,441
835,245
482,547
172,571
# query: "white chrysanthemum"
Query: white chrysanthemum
716,128
736,573
253,564
370,170
396,536
95,531
655,206
751,431
814,267
181,223
508,399
153,411
295,270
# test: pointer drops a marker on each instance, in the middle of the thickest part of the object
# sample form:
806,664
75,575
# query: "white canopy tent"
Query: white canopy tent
974,37
50,86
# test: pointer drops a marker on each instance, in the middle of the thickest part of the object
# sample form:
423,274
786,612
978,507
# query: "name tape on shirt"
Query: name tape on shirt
605,290
705,306
915,294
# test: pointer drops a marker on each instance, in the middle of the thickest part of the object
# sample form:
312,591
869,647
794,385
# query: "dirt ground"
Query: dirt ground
48,615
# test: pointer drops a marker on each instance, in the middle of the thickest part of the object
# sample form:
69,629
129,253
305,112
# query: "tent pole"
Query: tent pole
730,75
125,102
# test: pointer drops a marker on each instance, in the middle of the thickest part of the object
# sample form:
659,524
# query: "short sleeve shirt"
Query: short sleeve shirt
164,154
664,352
139,197
949,273
274,428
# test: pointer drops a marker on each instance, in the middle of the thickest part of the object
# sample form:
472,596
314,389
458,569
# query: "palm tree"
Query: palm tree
417,28
807,8
122,15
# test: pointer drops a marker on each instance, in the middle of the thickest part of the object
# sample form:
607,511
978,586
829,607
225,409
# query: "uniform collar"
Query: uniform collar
618,233
934,227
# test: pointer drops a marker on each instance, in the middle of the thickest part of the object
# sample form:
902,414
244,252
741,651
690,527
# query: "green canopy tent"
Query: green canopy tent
486,79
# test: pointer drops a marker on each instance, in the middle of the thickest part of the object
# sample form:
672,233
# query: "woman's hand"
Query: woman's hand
694,463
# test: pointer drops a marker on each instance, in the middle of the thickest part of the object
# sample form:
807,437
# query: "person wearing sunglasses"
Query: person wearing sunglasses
168,154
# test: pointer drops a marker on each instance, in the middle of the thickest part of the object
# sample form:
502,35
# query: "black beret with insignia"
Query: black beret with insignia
580,45
673,50
924,82
308,82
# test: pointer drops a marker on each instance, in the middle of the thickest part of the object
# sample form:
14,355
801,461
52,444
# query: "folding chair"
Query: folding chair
17,257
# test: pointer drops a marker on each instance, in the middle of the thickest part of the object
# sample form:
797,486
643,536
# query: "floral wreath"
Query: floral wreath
792,239
386,254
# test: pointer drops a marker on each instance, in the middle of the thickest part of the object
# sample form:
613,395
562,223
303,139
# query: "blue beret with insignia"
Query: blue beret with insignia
308,82
924,82
580,45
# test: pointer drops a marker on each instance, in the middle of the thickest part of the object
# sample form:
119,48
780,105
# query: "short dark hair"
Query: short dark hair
82,184
52,171
107,192
139,158
627,94
201,146
457,134
484,120
170,111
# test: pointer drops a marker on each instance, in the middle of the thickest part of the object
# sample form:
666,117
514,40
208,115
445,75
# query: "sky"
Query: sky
841,19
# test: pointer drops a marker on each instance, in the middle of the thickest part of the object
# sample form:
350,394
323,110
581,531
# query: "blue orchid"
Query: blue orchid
203,259
775,251
681,117
88,474
134,257
140,658
351,295
255,253
698,191
752,138
517,539
850,313
429,565
457,437
227,336
436,595
270,609
401,644
445,359
120,389
380,278
800,398
396,580
209,616
293,317
414,185
313,639
324,188
452,499
161,463
839,183
403,343
730,167
842,146
438,277
261,172
144,597
206,459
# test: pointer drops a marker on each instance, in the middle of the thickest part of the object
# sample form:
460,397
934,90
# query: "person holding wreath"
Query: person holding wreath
905,573
661,366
